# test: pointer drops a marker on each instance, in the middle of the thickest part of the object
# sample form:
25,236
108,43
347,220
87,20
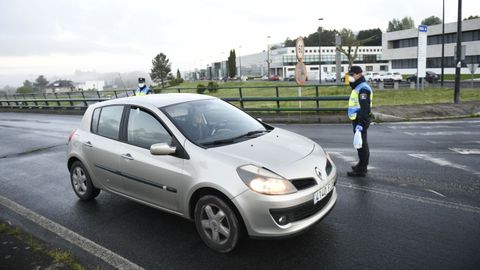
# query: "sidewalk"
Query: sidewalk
384,114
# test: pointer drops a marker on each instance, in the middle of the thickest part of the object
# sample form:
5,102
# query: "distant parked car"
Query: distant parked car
376,76
368,76
430,77
397,77
274,77
290,78
330,77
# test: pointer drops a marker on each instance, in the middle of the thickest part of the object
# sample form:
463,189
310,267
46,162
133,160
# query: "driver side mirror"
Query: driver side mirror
162,149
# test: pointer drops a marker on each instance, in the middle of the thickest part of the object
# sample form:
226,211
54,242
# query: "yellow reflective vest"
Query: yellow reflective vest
354,103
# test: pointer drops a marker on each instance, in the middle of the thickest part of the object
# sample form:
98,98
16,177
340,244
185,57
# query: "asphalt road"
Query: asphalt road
418,208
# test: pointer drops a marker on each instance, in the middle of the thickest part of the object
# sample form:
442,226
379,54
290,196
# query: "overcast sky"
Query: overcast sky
58,37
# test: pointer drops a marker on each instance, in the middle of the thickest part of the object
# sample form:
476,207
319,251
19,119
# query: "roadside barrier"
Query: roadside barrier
283,99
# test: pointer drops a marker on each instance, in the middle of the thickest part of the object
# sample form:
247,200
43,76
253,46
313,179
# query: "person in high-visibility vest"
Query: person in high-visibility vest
359,112
142,89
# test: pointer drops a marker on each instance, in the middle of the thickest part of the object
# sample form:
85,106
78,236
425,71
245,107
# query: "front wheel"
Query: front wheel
217,224
82,183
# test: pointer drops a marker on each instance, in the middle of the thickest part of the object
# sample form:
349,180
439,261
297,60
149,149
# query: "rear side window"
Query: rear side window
145,130
94,125
109,121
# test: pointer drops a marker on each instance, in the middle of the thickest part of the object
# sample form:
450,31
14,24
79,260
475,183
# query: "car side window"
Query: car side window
109,121
94,124
144,129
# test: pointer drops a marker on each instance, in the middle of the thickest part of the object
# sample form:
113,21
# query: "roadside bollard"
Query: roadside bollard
395,85
381,85
412,85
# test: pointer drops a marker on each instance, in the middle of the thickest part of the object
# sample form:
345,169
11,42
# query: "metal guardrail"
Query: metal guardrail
81,100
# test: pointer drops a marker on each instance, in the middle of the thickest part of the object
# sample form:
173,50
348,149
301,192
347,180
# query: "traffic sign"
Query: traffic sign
300,73
300,49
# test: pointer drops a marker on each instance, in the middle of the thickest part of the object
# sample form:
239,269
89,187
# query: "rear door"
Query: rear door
100,146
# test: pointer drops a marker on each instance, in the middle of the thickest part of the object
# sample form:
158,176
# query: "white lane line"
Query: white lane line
435,192
444,163
424,127
441,133
453,205
349,159
91,247
437,122
466,151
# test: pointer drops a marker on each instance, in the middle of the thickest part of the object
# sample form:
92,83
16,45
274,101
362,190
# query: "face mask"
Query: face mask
351,79
141,85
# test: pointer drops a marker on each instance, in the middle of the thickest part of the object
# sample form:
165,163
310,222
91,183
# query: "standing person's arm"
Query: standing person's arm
363,115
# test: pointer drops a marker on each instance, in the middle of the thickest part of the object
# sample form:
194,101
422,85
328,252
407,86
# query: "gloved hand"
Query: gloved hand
359,128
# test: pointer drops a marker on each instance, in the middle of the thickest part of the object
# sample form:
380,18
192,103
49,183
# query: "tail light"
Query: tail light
71,135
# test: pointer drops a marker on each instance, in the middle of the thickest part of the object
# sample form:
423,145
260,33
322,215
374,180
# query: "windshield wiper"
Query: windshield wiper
232,140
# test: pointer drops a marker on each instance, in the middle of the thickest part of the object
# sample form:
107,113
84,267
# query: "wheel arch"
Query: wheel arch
212,191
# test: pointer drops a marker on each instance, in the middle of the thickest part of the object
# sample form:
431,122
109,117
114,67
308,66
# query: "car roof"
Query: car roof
157,100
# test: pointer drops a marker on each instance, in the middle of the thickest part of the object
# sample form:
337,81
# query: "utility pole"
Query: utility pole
319,55
443,44
268,58
456,98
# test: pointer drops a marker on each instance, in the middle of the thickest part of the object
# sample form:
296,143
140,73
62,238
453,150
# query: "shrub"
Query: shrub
201,88
212,87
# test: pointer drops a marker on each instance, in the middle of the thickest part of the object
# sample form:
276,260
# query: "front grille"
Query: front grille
287,215
303,183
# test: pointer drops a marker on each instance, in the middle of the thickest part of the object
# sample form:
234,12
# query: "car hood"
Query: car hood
274,150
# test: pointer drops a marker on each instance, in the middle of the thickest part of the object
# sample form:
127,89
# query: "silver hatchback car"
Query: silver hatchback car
206,160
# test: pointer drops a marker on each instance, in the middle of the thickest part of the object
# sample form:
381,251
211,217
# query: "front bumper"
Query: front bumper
259,219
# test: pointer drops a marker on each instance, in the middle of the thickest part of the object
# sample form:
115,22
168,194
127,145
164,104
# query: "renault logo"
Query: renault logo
318,172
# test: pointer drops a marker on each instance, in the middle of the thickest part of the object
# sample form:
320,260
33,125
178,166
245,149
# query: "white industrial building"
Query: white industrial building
400,47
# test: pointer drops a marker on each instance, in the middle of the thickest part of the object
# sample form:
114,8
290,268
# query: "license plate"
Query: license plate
319,195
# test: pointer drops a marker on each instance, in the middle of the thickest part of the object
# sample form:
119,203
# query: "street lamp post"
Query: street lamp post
268,57
240,62
458,61
443,43
319,55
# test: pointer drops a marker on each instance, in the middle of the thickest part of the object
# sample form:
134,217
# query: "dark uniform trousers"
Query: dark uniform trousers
364,152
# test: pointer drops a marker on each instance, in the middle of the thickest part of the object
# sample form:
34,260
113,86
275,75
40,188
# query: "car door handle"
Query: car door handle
88,144
127,156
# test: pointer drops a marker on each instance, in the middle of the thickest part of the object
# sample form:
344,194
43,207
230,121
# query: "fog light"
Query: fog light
282,220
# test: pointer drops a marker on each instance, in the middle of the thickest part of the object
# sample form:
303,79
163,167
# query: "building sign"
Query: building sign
422,51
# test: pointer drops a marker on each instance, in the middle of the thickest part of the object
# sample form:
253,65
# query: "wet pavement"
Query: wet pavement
418,208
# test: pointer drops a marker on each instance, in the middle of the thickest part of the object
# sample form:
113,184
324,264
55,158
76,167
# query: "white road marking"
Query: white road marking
436,122
349,159
453,205
466,151
423,127
441,133
91,247
435,192
444,163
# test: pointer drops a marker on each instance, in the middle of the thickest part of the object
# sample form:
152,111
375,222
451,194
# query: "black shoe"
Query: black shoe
355,168
355,173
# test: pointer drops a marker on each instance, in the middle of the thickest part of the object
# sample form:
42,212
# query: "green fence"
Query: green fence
257,99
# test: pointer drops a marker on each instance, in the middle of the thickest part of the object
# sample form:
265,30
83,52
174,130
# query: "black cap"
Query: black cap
141,80
355,70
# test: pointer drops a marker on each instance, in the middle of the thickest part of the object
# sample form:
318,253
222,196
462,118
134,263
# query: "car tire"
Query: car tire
217,224
82,183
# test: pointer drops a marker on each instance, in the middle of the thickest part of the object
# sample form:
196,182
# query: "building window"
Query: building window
369,68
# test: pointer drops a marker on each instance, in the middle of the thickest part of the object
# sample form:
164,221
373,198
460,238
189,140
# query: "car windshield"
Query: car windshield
213,122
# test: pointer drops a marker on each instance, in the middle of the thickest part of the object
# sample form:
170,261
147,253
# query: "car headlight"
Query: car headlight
264,181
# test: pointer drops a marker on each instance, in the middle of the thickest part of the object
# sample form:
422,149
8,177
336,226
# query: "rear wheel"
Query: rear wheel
82,183
217,224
